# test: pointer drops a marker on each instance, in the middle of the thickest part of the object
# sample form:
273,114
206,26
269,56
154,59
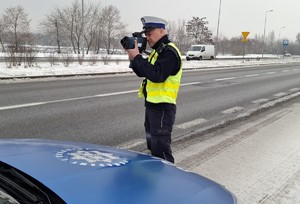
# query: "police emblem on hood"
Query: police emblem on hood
90,157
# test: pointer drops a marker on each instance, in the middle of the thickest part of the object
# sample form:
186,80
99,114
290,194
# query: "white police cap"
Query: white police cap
152,22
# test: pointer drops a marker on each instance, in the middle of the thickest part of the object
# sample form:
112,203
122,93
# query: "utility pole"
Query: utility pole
280,42
217,40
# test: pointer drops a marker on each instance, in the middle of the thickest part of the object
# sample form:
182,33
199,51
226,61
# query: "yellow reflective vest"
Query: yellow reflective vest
164,92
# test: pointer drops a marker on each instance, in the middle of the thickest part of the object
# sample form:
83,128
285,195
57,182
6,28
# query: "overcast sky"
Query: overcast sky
236,15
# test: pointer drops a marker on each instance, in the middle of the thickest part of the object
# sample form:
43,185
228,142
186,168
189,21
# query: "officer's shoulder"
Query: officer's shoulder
170,48
166,47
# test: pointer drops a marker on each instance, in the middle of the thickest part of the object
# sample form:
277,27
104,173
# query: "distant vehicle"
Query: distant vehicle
200,52
46,171
286,54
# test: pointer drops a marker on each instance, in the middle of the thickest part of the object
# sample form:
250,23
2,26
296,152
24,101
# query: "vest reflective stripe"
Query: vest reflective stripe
167,85
167,91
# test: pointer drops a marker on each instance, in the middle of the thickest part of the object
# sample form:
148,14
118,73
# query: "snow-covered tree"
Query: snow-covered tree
198,30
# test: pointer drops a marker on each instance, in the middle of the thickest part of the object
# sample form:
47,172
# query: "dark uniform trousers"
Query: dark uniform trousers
158,126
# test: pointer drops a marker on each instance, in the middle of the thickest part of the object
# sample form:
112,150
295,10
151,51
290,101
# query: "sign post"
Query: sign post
244,40
285,43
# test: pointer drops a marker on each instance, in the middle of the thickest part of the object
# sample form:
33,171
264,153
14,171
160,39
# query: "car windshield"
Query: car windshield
16,185
195,48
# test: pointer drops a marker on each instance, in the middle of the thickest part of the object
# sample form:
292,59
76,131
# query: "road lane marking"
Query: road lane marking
294,89
65,100
270,73
280,94
191,83
116,93
224,79
232,110
78,98
22,105
252,75
191,123
131,143
262,100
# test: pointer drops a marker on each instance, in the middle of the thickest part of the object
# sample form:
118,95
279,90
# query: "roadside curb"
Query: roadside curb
64,75
237,118
141,146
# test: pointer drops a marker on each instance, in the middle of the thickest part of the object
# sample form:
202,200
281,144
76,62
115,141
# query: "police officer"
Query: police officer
162,71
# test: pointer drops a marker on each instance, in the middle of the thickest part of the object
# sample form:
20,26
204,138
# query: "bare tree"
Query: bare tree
177,32
100,32
298,38
92,20
271,46
73,19
29,50
2,34
223,45
16,22
66,22
53,26
64,26
102,27
113,28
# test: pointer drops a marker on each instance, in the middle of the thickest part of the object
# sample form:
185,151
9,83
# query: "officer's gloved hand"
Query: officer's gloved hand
131,64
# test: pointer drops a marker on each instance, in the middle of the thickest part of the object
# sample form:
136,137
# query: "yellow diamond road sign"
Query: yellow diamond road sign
245,34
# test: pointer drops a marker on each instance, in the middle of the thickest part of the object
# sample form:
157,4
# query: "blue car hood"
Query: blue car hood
88,173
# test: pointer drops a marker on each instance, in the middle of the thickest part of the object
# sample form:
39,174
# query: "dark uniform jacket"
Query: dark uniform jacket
167,63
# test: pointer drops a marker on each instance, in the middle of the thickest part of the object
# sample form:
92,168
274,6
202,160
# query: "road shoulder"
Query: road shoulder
257,160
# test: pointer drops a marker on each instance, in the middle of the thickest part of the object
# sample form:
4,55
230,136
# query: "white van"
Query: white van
199,52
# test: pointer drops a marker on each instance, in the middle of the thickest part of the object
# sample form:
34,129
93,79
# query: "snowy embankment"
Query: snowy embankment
119,64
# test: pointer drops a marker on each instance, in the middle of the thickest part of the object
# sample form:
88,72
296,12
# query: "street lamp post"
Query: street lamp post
280,32
82,27
264,41
217,40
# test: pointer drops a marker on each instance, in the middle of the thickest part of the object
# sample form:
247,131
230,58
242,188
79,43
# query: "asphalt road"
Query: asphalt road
105,110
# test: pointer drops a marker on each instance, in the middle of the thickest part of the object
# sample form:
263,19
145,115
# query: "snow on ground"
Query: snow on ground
119,63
